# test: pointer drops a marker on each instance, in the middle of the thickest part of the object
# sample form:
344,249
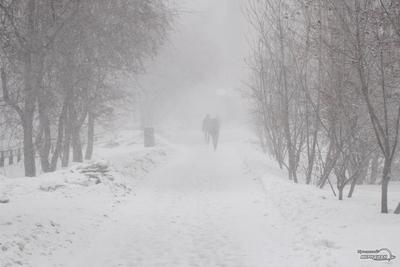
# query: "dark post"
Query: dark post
10,158
149,140
2,159
19,154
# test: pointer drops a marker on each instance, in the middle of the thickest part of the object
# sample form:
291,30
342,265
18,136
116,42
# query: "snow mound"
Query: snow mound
36,226
112,144
98,173
3,191
50,186
89,174
46,216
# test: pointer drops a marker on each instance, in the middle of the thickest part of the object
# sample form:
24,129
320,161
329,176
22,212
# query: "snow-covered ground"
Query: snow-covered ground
232,207
315,229
47,217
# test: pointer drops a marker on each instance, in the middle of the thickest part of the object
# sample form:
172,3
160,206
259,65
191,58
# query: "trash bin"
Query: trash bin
10,157
149,140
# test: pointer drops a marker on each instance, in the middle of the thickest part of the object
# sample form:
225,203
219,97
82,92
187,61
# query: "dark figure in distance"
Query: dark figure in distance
214,126
206,128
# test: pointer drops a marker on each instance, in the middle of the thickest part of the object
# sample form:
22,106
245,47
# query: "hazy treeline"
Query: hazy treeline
325,89
61,62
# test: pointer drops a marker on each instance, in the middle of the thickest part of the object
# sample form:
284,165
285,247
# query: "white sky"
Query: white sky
204,57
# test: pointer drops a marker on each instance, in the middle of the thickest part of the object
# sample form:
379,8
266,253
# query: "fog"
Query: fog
107,157
202,67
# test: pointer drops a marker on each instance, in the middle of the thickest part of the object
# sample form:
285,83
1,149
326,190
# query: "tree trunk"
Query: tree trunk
330,162
374,169
60,135
30,98
76,124
292,168
77,155
29,149
311,158
45,146
385,184
353,186
43,104
90,137
359,176
329,165
340,189
286,110
363,173
25,114
67,142
45,150
397,210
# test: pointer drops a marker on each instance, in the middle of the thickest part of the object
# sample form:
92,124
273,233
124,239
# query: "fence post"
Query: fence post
2,159
149,137
11,157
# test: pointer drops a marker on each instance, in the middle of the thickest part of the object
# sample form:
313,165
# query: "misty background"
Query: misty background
107,158
202,67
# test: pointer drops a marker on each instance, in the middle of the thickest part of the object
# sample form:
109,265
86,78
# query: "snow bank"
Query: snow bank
41,219
323,230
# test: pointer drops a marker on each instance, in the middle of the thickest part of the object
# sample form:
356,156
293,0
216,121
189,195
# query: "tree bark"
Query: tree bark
30,98
29,149
76,124
359,175
397,210
26,116
90,137
42,101
311,157
340,189
286,107
45,146
67,83
60,135
66,143
374,169
44,151
385,185
329,165
77,155
353,186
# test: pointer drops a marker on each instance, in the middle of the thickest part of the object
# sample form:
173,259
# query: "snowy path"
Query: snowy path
200,210
230,208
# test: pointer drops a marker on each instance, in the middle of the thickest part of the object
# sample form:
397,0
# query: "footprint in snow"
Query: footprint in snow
326,243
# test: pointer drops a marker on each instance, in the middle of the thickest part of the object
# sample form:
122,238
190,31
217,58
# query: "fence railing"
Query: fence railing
11,156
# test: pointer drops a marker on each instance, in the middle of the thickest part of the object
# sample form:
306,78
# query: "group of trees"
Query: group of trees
60,61
325,89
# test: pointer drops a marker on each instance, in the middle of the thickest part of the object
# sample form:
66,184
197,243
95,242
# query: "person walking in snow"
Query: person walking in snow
206,128
214,126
